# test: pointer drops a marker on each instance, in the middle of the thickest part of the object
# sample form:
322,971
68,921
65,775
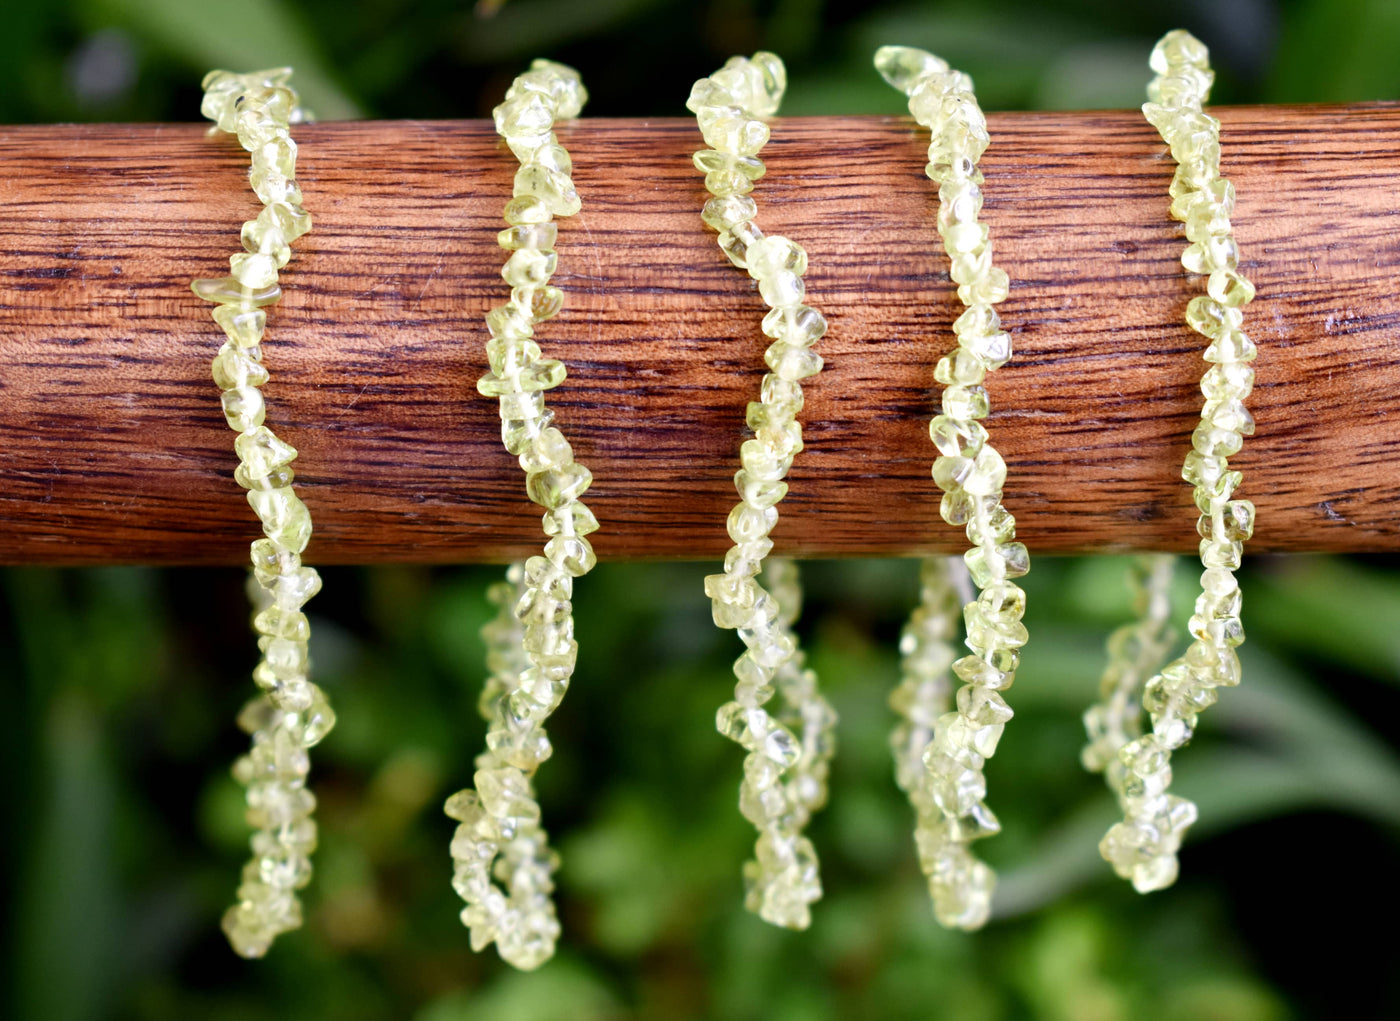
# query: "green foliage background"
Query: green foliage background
123,828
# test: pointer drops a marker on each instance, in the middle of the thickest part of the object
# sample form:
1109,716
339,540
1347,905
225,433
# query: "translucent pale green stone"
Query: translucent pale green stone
783,289
261,451
994,349
539,235
770,256
243,408
529,267
557,486
527,210
992,287
508,323
524,115
285,518
725,213
267,236
282,475
237,367
243,327
525,404
274,187
961,368
791,363
740,135
1176,48
254,270
955,437
555,157
509,355
905,67
795,325
574,519
709,161
1229,288
727,182
965,402
547,450
552,188
229,291
539,303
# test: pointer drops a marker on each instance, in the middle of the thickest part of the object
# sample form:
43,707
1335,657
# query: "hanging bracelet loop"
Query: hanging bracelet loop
292,714
789,751
1142,848
952,812
500,836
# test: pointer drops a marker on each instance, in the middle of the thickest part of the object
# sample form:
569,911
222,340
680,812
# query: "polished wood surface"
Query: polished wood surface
113,448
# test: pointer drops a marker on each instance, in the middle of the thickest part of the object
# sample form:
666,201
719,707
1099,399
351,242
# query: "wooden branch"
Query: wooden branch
113,448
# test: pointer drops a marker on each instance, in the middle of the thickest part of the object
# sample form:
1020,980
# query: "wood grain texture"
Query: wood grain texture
113,448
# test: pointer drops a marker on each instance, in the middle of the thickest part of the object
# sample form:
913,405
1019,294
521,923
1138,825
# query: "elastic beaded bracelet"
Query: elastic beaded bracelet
1136,651
972,475
532,659
1143,847
789,752
292,714
925,689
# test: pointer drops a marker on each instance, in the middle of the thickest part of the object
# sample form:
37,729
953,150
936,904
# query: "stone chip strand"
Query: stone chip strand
971,474
1143,847
500,840
789,751
499,829
1136,651
925,689
291,715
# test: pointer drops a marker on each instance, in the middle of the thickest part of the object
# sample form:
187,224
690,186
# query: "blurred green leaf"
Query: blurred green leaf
526,29
1063,974
562,988
1221,998
71,904
1329,608
1004,51
1340,51
246,36
625,861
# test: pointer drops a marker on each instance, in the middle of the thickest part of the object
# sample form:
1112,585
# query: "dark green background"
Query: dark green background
123,830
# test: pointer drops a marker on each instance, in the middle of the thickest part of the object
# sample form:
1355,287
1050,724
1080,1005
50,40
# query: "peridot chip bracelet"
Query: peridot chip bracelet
531,650
948,796
1142,848
789,752
291,715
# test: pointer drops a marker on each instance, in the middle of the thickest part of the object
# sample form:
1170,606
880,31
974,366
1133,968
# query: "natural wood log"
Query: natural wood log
113,449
